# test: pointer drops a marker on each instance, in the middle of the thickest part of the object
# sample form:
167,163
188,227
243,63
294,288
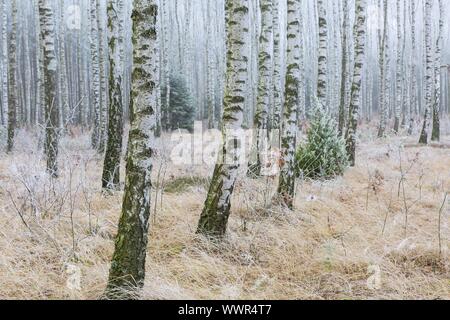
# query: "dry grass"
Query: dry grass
324,250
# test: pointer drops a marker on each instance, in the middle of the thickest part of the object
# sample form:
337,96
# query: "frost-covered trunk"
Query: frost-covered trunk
214,218
277,83
436,132
383,93
111,166
286,185
103,134
95,74
50,62
344,68
4,70
261,118
413,94
12,80
355,99
399,71
429,73
322,85
128,263
64,113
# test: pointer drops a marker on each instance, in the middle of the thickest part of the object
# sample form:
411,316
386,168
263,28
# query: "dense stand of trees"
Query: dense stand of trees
267,64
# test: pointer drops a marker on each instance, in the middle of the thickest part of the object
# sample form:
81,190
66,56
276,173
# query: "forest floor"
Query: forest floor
375,233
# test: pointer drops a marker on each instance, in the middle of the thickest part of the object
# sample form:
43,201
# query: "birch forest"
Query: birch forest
224,149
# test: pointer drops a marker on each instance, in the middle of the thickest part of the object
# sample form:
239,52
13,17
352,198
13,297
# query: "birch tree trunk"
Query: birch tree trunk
286,186
398,91
383,102
4,75
50,62
12,78
111,167
344,67
429,73
128,263
323,48
95,69
260,122
214,218
277,83
436,132
355,100
413,94
103,134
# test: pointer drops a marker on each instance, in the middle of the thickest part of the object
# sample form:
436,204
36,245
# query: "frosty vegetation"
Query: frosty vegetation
272,149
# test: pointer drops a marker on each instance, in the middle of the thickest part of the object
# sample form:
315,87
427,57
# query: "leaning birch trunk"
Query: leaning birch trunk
323,46
12,81
127,271
111,166
286,186
50,85
214,218
344,65
95,85
355,100
436,132
429,73
261,118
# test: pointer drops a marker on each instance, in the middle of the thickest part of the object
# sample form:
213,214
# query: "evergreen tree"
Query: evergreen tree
181,113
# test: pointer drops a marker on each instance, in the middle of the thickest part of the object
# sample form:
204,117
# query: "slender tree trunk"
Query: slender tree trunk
344,71
95,69
436,132
103,53
277,81
398,91
12,80
322,85
214,218
261,118
128,263
384,52
413,94
429,73
47,19
111,167
286,186
355,100
4,75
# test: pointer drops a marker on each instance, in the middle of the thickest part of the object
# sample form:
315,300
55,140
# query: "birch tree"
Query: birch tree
286,185
95,70
261,119
384,46
344,68
323,47
50,62
12,80
128,262
215,214
398,93
277,83
413,94
4,62
429,74
436,132
111,166
355,100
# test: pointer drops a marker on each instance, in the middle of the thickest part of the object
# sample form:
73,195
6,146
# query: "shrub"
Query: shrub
323,154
